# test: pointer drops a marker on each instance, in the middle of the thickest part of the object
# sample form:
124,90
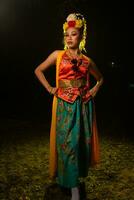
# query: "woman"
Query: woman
73,136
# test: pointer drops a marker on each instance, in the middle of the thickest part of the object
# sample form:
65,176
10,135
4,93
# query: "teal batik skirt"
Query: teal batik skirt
73,134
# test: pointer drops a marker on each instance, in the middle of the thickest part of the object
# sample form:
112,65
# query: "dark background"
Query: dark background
31,29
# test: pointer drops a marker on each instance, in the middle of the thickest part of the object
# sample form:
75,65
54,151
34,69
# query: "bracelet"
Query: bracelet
51,90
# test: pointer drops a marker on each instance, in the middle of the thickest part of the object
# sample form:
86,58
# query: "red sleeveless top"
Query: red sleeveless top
74,79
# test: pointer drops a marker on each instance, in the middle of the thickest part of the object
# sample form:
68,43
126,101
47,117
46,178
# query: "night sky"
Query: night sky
31,30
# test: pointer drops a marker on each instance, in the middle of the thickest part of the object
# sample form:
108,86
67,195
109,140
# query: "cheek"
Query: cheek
78,39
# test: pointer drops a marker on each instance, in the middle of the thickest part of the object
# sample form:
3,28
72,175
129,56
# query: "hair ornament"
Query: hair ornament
76,20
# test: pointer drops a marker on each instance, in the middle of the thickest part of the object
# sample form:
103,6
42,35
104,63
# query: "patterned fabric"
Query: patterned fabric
73,141
68,73
70,159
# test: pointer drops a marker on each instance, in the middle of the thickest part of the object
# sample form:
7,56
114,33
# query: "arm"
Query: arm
39,71
94,71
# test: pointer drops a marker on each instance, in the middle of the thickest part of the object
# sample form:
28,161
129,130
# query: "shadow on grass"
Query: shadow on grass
53,191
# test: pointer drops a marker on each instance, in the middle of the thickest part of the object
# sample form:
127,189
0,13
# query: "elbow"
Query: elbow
36,71
102,80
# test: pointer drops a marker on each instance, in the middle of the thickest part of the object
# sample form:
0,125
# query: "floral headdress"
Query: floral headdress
76,20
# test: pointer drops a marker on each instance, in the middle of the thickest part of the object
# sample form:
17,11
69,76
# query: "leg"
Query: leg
75,193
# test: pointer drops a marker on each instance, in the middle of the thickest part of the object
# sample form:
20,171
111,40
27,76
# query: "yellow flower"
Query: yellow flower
65,26
79,23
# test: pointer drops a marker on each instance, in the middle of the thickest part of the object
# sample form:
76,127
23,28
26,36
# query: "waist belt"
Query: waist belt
72,83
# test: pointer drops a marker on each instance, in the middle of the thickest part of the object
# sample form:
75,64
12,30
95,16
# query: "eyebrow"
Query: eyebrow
72,32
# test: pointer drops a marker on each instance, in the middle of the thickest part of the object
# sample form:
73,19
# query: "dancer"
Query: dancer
74,144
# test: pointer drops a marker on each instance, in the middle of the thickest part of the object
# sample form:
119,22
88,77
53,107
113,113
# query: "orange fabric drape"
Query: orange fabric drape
53,153
95,148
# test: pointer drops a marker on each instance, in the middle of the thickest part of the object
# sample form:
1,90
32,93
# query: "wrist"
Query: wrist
50,90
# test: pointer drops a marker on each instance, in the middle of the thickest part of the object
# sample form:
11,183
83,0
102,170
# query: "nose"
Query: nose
69,37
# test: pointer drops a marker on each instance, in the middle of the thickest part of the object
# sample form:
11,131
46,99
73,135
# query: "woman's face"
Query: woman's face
72,38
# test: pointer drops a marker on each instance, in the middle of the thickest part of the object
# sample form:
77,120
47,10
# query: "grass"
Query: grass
24,156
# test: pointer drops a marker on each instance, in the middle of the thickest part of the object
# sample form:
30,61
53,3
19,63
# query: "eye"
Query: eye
74,34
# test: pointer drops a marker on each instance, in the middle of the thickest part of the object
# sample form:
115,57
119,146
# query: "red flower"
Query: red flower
71,23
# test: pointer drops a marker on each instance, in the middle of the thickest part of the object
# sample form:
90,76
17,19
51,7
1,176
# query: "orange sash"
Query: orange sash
53,153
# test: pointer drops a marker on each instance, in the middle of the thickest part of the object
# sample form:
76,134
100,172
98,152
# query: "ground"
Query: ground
24,157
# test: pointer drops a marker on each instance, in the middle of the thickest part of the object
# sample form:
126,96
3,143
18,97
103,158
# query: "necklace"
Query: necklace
74,56
75,60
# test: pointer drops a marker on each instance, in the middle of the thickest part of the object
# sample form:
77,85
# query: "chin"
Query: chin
72,47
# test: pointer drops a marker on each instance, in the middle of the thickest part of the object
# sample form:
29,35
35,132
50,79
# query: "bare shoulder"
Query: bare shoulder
54,54
49,61
90,60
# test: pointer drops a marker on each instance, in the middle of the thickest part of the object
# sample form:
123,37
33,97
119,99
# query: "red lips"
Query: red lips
69,42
